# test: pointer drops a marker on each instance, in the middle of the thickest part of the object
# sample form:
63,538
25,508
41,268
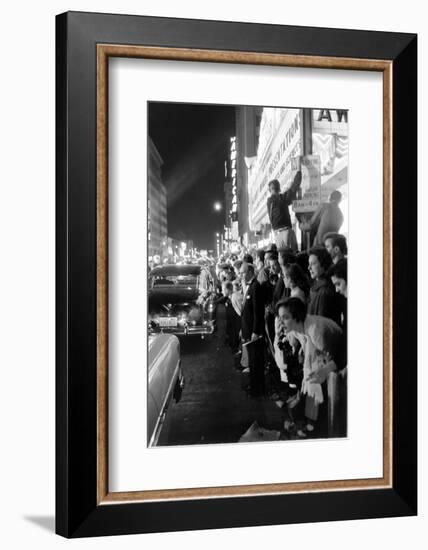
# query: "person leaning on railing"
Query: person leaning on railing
322,345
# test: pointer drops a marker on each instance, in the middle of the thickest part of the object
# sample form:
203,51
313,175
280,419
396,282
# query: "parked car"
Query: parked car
182,300
165,383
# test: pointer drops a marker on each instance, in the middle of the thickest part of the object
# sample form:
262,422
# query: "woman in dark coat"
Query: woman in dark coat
323,300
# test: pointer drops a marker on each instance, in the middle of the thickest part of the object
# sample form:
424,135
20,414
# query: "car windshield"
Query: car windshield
186,279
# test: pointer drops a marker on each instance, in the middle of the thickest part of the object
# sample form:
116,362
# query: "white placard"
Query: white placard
134,467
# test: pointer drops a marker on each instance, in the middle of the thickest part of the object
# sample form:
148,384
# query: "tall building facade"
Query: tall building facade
228,204
157,201
248,120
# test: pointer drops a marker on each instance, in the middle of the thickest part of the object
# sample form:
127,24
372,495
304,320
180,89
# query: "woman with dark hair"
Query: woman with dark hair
321,342
247,258
296,281
302,259
286,256
323,299
339,277
287,359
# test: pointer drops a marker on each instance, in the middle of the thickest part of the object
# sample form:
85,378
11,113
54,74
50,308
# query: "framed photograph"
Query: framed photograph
236,274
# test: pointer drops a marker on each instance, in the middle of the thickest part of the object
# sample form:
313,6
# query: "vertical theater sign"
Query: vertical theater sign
234,206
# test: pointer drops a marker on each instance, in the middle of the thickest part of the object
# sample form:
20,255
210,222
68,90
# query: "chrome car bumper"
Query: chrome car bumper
185,330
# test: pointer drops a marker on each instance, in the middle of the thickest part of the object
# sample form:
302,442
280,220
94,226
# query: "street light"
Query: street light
217,206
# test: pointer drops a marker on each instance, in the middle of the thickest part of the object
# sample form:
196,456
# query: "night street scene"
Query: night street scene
247,273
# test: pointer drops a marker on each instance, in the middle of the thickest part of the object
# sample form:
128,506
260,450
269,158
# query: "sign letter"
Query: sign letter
342,114
324,114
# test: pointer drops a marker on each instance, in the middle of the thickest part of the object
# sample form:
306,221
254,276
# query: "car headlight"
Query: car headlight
182,319
195,314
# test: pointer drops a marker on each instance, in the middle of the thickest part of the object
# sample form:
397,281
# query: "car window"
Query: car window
186,279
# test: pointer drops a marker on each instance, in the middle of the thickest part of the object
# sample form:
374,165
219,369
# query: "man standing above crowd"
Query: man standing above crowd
252,327
327,218
279,214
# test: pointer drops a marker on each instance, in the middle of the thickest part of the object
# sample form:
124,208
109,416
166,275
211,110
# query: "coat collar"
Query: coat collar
319,283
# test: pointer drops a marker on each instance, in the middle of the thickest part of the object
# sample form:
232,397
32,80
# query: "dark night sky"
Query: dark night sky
193,141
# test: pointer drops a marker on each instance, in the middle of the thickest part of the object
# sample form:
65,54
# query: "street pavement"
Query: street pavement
214,407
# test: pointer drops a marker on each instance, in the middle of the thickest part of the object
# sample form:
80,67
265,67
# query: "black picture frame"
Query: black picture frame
78,512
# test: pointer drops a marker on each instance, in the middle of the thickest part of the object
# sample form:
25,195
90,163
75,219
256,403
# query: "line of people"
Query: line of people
286,318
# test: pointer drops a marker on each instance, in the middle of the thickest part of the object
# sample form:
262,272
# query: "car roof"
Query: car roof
173,269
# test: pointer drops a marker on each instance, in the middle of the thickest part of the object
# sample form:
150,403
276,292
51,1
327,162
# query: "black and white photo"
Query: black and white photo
247,240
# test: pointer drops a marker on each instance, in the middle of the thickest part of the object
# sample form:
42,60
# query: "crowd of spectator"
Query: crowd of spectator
286,319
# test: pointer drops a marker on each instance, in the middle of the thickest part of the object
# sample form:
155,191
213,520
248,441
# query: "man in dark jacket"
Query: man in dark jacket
279,214
252,323
327,218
